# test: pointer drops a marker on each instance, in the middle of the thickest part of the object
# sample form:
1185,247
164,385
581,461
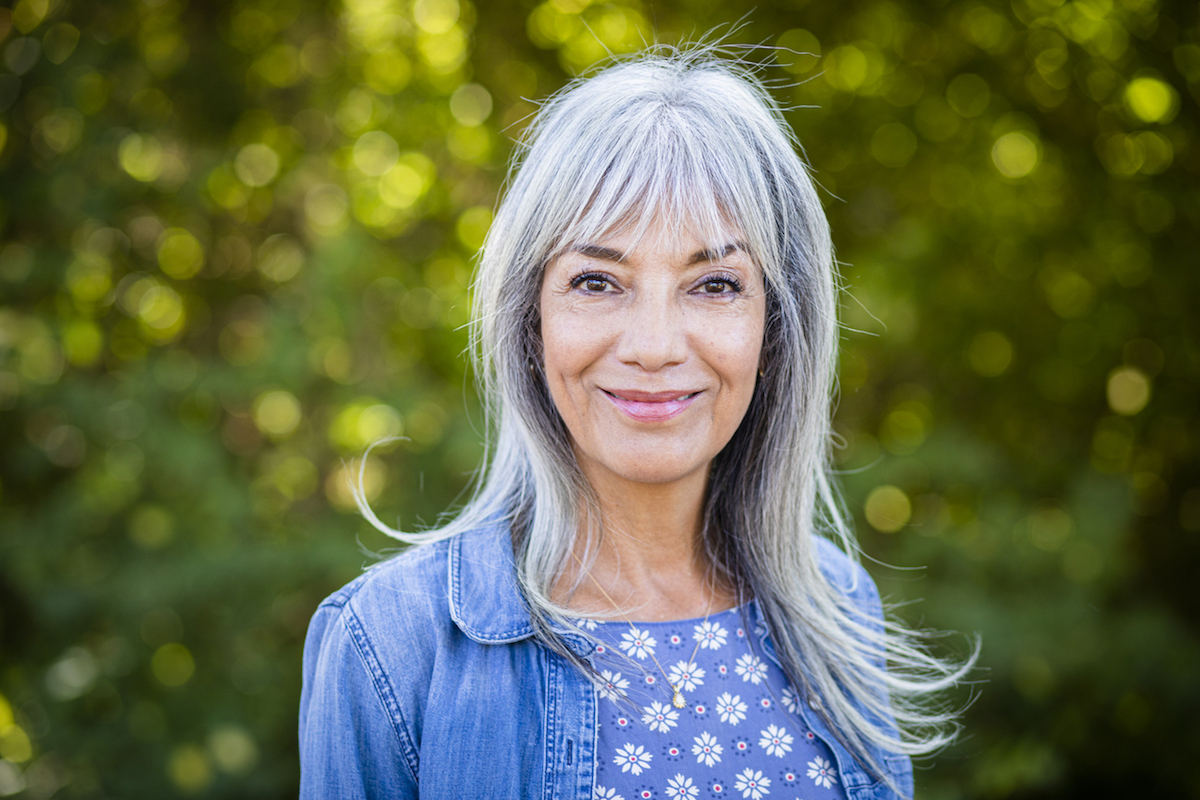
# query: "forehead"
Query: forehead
690,238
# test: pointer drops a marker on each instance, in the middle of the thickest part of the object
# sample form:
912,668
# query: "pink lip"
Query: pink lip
651,406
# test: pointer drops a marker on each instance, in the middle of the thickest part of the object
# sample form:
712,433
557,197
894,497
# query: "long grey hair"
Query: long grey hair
689,138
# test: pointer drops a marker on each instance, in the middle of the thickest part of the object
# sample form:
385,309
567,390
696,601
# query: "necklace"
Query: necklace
676,695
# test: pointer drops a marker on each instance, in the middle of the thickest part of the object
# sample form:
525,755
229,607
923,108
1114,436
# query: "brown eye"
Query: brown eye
715,287
595,282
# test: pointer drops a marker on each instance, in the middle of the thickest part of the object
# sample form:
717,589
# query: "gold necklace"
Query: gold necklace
676,695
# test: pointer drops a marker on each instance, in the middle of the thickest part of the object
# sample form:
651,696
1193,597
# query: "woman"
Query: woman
656,321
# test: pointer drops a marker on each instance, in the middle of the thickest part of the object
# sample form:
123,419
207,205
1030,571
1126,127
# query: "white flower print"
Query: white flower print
752,783
587,624
660,717
686,676
600,793
822,772
751,668
731,708
614,685
776,741
637,643
710,635
633,759
682,788
790,701
706,749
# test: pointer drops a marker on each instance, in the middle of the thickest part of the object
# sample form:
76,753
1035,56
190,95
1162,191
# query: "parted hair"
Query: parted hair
693,139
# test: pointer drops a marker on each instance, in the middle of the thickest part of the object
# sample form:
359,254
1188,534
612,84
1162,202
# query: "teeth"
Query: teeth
672,400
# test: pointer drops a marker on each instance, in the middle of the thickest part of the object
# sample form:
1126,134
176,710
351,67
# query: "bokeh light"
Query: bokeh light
236,249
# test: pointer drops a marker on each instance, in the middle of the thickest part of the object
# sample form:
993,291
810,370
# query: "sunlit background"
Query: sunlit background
236,246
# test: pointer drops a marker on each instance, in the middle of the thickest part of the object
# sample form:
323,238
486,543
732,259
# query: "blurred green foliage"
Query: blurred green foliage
235,247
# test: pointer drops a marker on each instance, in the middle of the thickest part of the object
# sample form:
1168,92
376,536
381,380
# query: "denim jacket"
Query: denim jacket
422,678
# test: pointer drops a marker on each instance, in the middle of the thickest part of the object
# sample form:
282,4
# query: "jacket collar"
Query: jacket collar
485,601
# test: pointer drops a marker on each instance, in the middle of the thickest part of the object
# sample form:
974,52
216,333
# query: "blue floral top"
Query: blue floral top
738,734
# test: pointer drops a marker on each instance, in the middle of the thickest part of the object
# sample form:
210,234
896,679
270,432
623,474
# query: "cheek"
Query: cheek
736,351
572,343
564,348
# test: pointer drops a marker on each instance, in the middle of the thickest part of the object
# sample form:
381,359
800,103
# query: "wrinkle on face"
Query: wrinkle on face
655,313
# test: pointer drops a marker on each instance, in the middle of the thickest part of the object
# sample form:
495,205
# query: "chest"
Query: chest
692,708
518,720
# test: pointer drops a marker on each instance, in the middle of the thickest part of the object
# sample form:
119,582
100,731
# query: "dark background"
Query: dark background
236,243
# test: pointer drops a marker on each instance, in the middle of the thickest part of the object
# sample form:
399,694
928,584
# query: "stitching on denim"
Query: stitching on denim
587,742
550,722
336,600
901,770
383,689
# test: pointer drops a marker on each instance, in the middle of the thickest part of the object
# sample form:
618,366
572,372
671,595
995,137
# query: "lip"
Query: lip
650,406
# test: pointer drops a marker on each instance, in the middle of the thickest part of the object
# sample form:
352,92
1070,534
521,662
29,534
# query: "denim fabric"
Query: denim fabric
426,667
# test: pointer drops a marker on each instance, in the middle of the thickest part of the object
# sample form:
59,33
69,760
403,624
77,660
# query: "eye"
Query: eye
720,284
592,282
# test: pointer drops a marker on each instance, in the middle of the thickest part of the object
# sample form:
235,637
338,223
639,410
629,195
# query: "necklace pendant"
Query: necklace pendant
678,700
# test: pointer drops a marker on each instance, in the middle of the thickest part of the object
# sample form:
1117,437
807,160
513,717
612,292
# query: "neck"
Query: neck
649,560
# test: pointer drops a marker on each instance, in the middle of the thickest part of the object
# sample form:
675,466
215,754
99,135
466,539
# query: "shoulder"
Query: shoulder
411,583
386,617
848,577
851,580
405,594
395,613
349,700
368,647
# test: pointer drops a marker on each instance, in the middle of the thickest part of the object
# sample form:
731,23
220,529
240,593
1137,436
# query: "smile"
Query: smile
651,406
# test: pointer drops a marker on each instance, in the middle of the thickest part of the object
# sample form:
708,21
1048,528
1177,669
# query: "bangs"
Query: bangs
672,160
644,188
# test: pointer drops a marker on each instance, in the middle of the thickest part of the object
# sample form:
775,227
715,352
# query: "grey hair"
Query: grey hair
696,140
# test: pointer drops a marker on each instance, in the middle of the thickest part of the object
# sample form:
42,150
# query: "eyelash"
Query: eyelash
733,283
580,280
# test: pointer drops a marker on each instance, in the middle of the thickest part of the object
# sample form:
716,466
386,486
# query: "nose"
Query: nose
654,334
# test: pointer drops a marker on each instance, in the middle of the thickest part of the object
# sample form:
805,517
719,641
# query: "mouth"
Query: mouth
651,406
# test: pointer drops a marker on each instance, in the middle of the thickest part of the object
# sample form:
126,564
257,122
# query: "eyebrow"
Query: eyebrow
596,251
716,254
609,254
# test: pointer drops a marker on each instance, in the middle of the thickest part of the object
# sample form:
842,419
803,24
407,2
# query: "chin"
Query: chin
656,469
659,477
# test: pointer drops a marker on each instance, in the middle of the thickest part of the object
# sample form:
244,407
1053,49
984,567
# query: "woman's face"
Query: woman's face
651,351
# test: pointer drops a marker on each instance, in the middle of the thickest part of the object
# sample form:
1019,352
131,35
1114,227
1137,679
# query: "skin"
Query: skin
651,353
